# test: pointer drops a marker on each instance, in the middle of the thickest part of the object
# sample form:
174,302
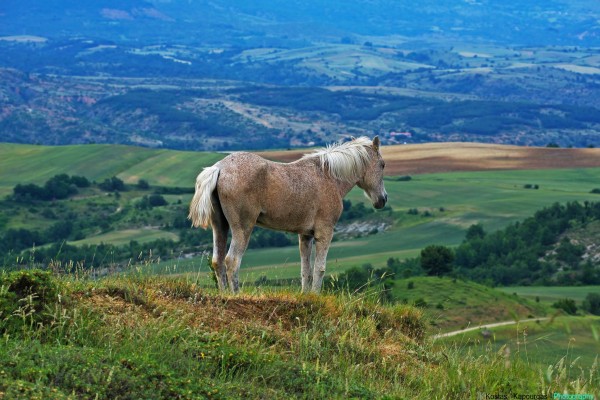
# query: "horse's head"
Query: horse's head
372,180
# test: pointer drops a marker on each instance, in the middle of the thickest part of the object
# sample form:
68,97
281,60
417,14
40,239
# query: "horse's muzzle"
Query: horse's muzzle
380,202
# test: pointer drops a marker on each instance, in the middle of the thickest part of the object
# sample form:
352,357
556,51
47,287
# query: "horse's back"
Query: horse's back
242,168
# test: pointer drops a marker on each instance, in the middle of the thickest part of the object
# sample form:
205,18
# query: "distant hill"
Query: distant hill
556,22
231,75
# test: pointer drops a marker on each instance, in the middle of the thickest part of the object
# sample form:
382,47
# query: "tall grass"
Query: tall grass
139,335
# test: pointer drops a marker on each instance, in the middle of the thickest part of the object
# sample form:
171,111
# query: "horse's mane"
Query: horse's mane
344,161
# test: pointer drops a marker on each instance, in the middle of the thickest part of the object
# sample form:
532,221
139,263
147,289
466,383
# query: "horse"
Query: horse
303,197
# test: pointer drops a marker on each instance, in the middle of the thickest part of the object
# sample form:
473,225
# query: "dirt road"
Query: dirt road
485,326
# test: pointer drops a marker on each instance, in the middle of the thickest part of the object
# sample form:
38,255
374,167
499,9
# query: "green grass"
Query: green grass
493,199
155,337
36,164
123,237
551,294
455,304
541,343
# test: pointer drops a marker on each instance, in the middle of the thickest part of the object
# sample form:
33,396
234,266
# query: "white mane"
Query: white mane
344,161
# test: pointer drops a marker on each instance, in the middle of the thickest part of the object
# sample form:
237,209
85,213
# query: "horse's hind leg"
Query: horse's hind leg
306,243
239,242
220,228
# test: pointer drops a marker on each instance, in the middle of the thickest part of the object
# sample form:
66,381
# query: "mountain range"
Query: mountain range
229,74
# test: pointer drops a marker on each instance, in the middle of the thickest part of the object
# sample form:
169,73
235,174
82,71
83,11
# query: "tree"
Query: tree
143,184
592,303
113,184
475,231
80,181
437,260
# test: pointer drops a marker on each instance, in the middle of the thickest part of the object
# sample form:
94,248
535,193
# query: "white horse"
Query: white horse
303,197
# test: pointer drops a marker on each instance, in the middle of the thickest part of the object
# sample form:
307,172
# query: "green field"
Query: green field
550,294
134,336
543,343
36,164
123,237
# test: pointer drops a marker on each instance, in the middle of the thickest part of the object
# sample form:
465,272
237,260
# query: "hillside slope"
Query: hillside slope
159,338
454,304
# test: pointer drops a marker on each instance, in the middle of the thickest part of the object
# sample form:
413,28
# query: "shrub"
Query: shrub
24,296
592,303
567,305
420,302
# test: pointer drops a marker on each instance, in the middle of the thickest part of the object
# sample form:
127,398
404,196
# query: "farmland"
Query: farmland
491,191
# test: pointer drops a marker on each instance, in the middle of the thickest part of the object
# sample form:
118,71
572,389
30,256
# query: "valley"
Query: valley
489,116
251,79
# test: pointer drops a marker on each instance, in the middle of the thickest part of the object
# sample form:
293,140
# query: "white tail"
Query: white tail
201,206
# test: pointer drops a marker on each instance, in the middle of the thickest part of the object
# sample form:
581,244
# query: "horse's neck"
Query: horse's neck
343,186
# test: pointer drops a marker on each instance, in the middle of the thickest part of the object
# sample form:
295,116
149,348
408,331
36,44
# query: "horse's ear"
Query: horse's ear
376,143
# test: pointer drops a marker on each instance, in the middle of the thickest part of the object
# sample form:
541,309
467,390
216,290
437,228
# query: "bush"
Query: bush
475,231
58,187
354,211
567,305
24,296
592,303
149,202
420,302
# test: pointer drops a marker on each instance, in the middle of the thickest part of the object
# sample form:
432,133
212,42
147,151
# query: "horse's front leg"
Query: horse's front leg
306,243
323,240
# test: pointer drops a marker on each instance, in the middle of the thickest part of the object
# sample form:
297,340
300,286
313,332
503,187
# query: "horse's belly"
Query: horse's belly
287,224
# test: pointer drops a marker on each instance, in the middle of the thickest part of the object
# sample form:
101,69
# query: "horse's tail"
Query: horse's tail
201,206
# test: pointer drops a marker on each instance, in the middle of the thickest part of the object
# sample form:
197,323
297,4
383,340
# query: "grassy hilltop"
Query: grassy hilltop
155,337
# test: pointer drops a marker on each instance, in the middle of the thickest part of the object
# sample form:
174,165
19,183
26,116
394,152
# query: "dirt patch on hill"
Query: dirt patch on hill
280,313
450,157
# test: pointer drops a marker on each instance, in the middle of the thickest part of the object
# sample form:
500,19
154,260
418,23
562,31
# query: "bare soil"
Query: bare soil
414,159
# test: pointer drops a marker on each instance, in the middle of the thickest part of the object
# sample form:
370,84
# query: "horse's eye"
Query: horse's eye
382,164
